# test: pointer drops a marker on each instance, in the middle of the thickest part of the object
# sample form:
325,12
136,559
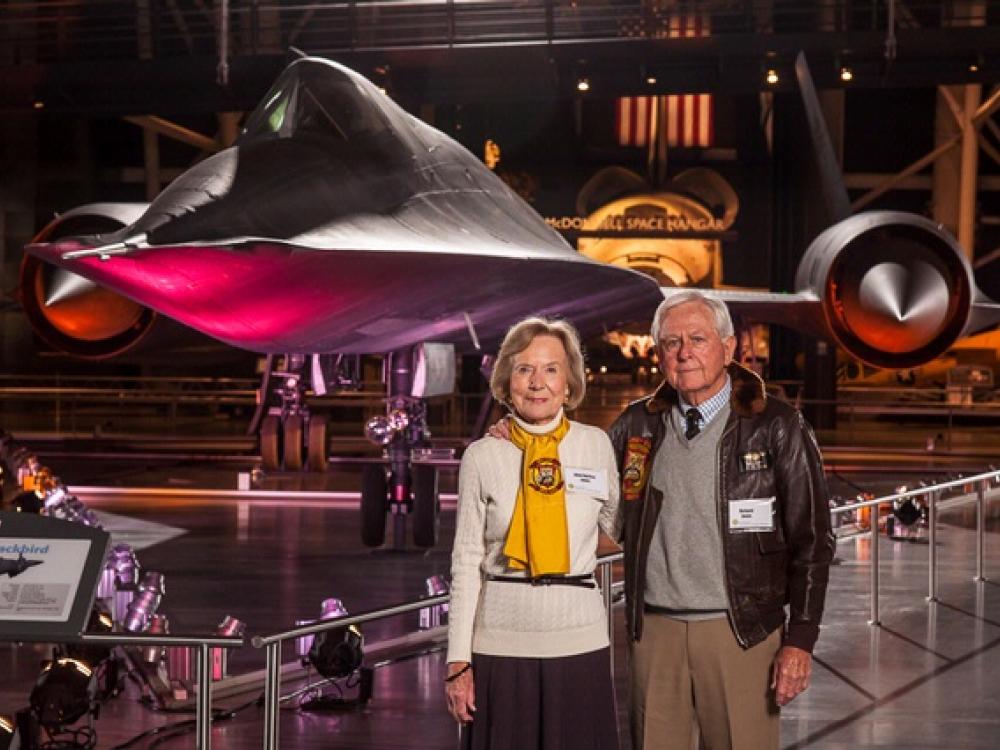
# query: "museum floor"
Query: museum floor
928,677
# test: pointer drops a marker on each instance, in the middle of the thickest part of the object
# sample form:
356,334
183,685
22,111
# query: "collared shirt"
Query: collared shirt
708,409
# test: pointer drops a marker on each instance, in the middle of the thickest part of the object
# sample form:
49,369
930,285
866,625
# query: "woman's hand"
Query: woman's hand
500,429
461,692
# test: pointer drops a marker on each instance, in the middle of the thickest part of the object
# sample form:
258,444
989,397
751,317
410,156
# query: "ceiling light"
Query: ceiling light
583,84
846,74
772,76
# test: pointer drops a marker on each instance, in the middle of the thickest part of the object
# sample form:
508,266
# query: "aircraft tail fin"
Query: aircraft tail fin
831,180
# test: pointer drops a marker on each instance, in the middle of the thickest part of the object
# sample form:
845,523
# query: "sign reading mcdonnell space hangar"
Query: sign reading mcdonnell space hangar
666,223
48,576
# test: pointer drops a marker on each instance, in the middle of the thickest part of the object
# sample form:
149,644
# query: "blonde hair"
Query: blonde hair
519,338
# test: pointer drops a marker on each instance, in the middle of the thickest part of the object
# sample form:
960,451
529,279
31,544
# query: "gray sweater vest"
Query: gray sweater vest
685,567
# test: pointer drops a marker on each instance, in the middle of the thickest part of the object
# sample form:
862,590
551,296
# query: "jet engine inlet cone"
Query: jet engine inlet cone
900,307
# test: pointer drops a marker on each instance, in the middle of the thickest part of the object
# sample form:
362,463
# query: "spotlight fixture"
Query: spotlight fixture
583,83
126,568
431,617
93,654
7,727
63,694
338,652
907,510
846,74
651,80
158,625
772,77
230,627
145,603
26,502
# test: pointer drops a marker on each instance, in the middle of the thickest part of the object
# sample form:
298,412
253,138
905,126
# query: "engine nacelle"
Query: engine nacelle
70,313
896,288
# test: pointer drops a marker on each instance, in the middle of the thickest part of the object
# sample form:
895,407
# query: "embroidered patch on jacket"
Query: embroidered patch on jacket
755,461
635,467
545,475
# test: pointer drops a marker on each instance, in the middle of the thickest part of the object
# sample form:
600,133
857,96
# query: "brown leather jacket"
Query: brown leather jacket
766,449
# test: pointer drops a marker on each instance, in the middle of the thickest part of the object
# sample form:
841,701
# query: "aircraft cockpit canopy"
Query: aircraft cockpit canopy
315,99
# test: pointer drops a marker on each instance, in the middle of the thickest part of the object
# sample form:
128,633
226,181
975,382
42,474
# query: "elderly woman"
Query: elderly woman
528,660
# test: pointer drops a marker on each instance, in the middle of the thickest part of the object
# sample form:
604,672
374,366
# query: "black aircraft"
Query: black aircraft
16,567
337,224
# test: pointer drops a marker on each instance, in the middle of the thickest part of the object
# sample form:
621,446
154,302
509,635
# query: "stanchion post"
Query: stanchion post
980,531
605,574
873,515
272,695
203,711
932,498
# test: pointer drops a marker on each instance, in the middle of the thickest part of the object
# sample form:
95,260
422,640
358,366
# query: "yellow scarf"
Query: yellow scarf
538,538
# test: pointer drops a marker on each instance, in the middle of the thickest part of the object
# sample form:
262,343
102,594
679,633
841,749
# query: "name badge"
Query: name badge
755,461
751,514
593,482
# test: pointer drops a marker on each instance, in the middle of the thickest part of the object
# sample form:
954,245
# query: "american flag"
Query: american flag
685,120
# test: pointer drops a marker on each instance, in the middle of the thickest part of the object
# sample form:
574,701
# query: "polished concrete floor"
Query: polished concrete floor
929,677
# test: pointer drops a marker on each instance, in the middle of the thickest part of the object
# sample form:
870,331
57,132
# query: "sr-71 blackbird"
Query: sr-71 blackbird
14,568
338,223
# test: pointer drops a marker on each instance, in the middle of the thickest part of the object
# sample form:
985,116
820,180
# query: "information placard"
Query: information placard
49,570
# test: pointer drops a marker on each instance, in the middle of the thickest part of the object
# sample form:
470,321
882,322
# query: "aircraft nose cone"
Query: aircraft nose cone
900,307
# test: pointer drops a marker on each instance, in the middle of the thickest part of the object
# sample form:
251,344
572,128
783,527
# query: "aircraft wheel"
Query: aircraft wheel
293,443
318,446
426,506
270,443
374,494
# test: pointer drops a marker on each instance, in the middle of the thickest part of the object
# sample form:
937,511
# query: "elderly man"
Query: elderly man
725,524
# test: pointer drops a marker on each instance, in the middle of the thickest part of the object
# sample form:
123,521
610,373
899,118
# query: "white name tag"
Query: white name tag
593,482
751,514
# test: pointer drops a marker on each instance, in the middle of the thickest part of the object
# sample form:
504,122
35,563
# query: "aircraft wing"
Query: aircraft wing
338,223
270,297
802,311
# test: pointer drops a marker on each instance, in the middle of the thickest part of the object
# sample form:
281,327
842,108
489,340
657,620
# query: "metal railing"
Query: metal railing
273,643
204,646
152,29
933,498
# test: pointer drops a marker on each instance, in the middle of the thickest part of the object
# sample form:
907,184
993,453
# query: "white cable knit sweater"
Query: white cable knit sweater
515,619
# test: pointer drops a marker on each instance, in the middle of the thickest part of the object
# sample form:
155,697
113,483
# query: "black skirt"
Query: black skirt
561,703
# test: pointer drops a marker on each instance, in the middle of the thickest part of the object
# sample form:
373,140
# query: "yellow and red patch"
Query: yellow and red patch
635,470
545,475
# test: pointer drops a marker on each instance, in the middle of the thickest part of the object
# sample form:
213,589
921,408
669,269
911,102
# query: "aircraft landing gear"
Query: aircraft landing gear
407,488
290,437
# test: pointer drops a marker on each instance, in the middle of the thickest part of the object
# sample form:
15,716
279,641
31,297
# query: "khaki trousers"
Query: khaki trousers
692,675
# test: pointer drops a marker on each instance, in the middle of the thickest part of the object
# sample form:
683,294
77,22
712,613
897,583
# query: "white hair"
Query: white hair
718,308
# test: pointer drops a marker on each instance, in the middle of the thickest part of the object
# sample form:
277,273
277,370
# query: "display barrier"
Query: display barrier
932,494
204,645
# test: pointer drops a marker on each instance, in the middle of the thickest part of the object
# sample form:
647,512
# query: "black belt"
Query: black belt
671,612
584,580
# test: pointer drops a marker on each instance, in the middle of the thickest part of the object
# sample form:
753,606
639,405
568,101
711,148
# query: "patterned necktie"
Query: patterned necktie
692,419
